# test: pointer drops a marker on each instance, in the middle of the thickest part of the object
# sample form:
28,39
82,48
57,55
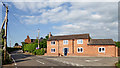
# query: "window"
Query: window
65,42
52,42
80,50
80,41
53,50
101,49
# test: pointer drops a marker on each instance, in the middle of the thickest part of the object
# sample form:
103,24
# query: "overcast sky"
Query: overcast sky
99,19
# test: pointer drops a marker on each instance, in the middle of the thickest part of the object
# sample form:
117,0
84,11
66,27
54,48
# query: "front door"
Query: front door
65,51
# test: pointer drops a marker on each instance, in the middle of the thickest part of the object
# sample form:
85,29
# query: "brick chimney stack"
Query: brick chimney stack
50,35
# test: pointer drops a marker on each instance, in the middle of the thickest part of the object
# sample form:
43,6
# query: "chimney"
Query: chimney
50,35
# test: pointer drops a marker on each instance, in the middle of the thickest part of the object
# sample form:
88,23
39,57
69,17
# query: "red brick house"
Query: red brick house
80,45
28,40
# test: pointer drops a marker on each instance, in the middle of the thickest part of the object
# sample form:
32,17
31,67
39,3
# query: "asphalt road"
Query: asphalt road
31,61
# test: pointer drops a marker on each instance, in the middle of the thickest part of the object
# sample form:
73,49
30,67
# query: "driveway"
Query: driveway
86,61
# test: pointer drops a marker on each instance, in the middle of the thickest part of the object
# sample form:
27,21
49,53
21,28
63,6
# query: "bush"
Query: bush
37,52
42,51
118,64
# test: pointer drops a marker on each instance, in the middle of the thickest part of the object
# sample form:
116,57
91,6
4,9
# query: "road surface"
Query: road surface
31,61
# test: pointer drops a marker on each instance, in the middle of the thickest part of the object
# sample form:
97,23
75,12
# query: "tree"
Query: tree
36,41
46,37
41,38
16,44
117,44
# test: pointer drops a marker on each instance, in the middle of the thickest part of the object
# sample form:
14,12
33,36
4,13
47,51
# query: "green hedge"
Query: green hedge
39,51
31,48
12,49
118,64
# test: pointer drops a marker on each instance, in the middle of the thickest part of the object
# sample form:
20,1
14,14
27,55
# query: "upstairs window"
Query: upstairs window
101,49
80,41
53,50
65,42
52,42
80,50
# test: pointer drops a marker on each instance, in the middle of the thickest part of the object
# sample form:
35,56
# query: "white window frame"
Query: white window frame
80,48
79,40
51,42
64,42
101,50
67,48
51,51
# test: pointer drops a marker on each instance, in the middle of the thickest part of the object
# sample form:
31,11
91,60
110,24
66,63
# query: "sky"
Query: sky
99,19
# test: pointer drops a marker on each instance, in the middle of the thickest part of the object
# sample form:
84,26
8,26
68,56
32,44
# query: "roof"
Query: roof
67,37
33,40
101,42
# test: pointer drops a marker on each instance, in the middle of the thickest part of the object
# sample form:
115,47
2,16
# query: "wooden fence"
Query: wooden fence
118,51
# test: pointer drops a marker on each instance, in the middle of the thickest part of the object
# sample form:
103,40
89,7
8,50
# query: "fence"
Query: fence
118,51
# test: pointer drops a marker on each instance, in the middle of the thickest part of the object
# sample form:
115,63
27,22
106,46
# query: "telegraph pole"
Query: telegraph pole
5,39
5,36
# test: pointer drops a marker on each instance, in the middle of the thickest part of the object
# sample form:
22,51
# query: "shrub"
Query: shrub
42,51
118,64
37,52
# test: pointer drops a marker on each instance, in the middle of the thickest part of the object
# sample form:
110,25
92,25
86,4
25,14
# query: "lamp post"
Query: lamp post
38,37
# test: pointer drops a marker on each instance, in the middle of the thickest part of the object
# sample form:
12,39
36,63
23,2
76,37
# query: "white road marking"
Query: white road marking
72,64
14,61
67,62
40,62
87,60
81,65
15,64
95,60
77,65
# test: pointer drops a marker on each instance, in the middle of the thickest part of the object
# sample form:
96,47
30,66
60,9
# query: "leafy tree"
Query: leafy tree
117,44
16,44
46,37
36,41
41,38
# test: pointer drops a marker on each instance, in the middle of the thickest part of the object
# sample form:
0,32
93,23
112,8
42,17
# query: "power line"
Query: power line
19,21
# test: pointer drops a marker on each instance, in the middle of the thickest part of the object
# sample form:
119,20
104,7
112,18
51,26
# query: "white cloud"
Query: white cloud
96,16
98,19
